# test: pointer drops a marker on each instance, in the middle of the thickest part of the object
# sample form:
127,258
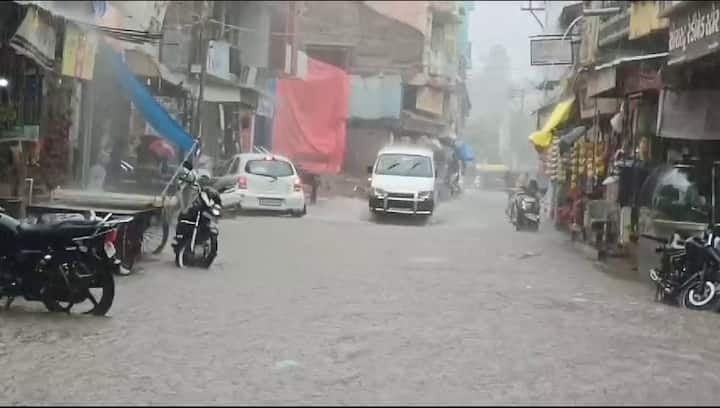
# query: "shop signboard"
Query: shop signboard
551,50
79,53
694,32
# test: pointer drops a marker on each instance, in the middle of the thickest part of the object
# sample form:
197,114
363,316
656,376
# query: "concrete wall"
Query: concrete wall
255,44
376,42
363,143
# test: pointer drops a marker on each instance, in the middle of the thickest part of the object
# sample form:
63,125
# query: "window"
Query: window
272,168
406,165
234,166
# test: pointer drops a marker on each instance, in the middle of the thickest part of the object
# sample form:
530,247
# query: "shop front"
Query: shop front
546,141
39,102
677,196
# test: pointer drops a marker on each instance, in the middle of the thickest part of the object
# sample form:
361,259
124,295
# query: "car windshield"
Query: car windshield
271,168
406,165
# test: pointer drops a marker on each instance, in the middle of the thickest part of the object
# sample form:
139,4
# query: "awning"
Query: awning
608,80
124,24
153,112
543,138
35,39
622,60
569,138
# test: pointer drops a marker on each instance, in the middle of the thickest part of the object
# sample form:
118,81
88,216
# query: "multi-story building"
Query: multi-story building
404,64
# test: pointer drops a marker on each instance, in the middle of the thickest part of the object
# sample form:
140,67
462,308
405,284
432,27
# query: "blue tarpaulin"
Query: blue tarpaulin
153,112
465,151
378,97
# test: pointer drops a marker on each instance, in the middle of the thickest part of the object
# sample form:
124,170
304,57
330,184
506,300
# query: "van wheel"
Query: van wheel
299,214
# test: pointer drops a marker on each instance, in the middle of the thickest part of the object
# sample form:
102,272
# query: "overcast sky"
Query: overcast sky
502,22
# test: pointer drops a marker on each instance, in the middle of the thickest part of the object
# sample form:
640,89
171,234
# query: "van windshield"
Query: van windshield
406,165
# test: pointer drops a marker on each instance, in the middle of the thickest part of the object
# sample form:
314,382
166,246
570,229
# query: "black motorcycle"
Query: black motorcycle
689,272
59,264
196,233
524,211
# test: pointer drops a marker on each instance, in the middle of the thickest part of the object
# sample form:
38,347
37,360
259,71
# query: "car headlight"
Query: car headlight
379,192
424,195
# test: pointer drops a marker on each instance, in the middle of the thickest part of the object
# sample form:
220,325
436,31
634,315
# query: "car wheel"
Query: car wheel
299,214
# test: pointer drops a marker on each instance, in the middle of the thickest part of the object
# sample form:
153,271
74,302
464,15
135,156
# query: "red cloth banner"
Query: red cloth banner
310,118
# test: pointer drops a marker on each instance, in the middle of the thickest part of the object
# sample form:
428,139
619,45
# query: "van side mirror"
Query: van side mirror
369,169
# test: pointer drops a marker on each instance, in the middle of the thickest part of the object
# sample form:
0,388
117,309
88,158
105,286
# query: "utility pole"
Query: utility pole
204,43
292,30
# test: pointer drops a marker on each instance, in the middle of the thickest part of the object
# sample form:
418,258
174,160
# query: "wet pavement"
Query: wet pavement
334,308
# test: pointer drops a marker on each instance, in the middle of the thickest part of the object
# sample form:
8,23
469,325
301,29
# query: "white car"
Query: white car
258,181
403,181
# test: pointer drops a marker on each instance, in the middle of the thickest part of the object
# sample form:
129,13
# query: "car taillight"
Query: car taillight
297,186
242,183
111,236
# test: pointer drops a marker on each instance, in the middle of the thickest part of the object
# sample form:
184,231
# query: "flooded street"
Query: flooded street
333,308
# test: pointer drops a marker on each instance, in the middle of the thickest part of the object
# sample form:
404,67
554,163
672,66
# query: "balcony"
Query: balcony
614,29
445,11
441,65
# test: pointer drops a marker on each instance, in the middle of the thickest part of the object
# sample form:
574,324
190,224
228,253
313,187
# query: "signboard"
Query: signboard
694,32
218,59
551,51
79,53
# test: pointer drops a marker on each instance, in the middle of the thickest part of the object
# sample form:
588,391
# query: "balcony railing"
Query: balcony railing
614,29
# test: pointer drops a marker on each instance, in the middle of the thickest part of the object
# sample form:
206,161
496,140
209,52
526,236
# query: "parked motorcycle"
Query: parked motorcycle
59,264
196,233
689,272
524,211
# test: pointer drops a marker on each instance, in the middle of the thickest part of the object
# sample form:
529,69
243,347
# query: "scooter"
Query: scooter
524,211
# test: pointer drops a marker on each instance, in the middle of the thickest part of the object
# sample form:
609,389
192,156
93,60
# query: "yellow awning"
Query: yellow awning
543,138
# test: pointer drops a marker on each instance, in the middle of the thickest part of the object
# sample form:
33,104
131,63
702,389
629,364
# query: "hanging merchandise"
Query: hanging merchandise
616,122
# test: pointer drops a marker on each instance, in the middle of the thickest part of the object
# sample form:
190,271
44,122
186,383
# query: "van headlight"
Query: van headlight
379,192
425,195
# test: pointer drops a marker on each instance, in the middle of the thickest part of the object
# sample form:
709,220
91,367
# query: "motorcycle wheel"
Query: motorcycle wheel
209,255
103,282
700,296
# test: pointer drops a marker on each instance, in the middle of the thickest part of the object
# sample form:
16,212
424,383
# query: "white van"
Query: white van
403,181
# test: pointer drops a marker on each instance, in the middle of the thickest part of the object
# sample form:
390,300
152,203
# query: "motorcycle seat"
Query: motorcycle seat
67,228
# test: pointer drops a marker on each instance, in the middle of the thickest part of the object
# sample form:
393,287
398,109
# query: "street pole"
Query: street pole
203,69
292,30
